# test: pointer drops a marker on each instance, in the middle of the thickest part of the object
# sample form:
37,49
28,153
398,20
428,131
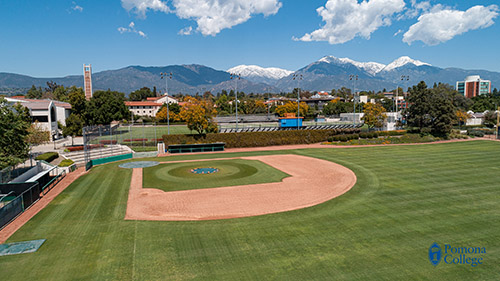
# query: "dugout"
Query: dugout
199,147
15,198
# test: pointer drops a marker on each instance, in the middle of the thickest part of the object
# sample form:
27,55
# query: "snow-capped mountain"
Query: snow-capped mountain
259,74
370,67
402,61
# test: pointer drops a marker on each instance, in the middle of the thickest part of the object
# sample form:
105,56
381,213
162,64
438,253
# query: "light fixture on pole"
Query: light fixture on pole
298,77
236,77
354,78
166,76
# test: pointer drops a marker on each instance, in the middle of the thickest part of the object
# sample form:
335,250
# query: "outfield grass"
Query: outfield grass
406,198
178,176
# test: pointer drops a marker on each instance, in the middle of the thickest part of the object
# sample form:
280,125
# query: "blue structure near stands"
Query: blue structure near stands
291,122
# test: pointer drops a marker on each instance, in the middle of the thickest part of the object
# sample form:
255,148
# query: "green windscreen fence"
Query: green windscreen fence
110,159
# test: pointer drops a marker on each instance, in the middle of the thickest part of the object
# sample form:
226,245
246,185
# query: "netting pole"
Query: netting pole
100,136
143,135
111,137
85,156
154,124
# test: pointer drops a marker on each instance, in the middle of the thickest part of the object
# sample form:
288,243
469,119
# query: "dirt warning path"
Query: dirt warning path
313,181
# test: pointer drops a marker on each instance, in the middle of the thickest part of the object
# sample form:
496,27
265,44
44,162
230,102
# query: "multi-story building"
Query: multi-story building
46,113
149,107
474,86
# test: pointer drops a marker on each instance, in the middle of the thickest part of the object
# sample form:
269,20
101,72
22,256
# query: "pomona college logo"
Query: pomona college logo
435,254
457,255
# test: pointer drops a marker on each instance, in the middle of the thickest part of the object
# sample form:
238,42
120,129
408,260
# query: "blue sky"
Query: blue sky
54,37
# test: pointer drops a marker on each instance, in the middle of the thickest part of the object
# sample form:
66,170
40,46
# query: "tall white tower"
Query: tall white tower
87,80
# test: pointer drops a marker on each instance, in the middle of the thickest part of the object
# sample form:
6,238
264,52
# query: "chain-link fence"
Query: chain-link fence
106,141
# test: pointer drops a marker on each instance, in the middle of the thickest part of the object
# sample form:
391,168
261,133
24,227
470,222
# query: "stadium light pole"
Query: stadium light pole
404,80
236,77
298,77
166,76
354,78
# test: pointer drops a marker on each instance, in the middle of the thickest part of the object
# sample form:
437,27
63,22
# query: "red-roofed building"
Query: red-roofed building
150,107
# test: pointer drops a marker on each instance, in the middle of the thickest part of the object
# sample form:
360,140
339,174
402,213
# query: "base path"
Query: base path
313,181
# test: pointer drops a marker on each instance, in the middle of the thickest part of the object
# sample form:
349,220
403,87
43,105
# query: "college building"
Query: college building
474,86
149,107
45,112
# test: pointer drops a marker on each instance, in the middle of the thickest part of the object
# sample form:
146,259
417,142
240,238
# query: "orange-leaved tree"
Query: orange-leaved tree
462,117
291,107
199,115
374,115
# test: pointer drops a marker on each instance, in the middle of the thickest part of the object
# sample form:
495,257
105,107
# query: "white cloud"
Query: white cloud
346,19
186,31
75,8
417,8
212,16
442,24
131,28
140,7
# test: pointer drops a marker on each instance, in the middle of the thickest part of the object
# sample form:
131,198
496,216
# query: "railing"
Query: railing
53,182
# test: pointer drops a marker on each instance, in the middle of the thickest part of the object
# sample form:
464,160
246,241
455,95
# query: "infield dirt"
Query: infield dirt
313,181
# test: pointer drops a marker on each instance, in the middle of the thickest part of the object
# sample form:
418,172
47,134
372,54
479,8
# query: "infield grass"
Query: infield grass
178,176
405,198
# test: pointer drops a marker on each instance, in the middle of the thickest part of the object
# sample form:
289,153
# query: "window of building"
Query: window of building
53,114
41,119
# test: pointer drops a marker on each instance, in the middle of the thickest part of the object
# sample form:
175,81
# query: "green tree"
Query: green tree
490,119
105,107
76,97
14,125
60,94
387,103
335,107
222,103
142,94
374,115
34,93
74,126
431,110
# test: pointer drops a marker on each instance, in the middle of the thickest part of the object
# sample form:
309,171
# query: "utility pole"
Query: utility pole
403,79
354,78
166,76
236,77
498,121
298,77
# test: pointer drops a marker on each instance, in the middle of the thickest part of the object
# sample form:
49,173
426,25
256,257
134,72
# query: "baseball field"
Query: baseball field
405,198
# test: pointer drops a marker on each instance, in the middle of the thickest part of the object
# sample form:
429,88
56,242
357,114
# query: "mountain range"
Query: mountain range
325,74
